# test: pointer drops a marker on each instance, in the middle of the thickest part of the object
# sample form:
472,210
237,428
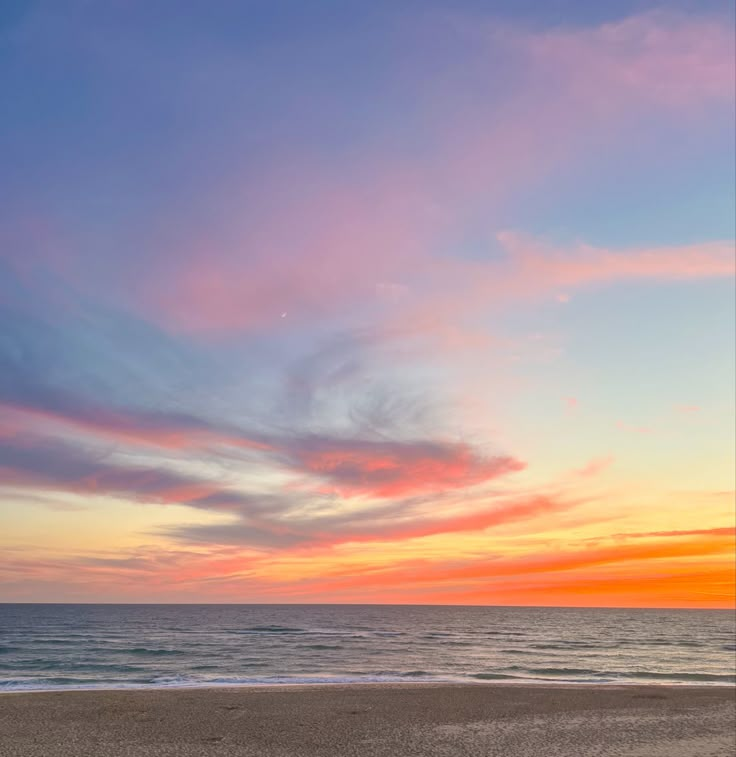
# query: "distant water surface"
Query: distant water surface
118,646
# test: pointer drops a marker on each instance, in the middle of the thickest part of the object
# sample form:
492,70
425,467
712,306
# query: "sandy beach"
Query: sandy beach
424,720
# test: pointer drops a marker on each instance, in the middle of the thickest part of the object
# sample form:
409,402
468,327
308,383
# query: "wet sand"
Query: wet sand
425,720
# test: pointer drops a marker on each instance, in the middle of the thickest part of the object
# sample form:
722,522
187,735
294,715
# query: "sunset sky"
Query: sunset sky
398,301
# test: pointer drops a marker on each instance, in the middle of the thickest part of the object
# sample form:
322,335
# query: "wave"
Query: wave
188,681
492,676
146,652
505,633
269,629
682,676
184,681
389,634
57,642
564,672
568,646
623,675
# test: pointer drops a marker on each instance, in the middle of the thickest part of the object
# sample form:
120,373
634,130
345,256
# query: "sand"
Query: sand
373,721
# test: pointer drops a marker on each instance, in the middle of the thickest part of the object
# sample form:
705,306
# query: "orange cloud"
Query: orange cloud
417,526
501,568
724,531
695,572
672,586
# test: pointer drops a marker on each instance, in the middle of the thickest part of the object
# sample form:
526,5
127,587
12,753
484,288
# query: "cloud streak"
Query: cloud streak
397,469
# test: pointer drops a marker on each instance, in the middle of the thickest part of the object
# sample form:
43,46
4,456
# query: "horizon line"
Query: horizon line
360,604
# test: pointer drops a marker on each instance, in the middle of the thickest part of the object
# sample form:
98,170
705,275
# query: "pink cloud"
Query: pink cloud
688,409
535,265
328,240
397,469
644,430
659,57
594,467
344,243
532,270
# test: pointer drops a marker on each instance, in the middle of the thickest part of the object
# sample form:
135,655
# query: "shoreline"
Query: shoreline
299,685
409,719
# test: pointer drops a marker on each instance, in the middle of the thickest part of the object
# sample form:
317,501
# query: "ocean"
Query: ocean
138,646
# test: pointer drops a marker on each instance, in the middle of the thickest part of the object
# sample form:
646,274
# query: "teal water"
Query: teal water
119,646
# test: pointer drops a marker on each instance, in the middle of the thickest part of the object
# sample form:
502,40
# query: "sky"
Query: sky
391,302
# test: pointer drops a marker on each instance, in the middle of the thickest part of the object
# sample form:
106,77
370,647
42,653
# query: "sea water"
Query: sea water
121,646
